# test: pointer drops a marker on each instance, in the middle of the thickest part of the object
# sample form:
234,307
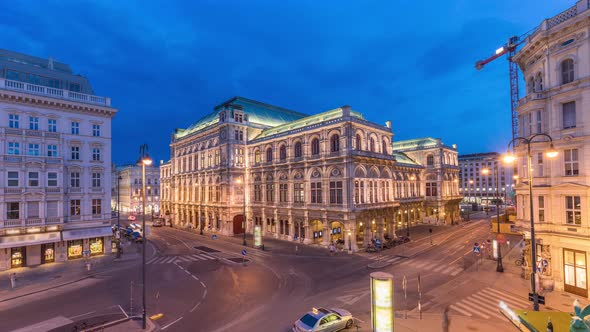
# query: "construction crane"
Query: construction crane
510,48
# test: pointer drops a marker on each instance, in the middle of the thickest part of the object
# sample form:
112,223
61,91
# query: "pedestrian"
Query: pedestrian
446,323
13,280
332,249
296,250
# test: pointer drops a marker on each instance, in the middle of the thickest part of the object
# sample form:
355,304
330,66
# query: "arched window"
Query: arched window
315,146
283,152
372,144
430,160
358,142
567,71
297,150
257,156
384,147
222,116
269,154
335,143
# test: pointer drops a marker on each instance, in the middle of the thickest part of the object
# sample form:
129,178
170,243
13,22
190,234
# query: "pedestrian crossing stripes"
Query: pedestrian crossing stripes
486,303
438,267
180,259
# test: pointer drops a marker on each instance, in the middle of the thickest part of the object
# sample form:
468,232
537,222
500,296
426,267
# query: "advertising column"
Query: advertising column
382,310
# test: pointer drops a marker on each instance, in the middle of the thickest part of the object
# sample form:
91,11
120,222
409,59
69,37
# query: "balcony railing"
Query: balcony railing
53,190
33,221
531,96
13,190
53,93
53,220
13,223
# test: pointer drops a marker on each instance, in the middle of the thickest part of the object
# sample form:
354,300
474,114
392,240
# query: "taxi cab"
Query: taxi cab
324,320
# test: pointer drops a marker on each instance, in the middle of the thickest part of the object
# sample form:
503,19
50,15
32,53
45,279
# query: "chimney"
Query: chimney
388,124
345,111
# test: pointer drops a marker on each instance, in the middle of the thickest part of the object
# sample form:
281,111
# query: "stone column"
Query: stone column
326,231
308,233
380,225
277,226
291,226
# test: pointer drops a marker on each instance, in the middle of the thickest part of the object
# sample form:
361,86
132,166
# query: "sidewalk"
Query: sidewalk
31,280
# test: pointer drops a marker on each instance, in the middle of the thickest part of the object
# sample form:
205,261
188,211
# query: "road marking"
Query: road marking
473,304
459,310
88,313
197,258
430,265
197,279
167,326
151,260
457,271
420,265
393,259
505,296
203,284
448,269
440,267
205,255
493,307
196,306
123,311
172,259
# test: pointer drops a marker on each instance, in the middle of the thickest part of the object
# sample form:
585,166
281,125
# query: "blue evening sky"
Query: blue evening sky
167,63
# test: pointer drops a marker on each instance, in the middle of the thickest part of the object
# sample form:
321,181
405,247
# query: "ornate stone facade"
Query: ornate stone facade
333,176
556,66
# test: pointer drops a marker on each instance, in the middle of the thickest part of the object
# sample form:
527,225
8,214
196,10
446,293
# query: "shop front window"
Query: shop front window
75,249
47,253
96,246
17,257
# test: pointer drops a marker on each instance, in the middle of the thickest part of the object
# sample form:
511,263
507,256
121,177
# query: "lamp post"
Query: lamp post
349,242
144,160
509,158
408,223
486,171
118,237
242,181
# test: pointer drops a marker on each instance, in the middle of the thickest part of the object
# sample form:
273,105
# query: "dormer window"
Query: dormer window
238,116
222,117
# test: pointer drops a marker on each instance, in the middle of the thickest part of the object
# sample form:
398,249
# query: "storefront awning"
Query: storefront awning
13,241
85,233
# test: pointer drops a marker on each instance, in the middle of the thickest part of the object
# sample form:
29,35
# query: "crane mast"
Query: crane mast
510,49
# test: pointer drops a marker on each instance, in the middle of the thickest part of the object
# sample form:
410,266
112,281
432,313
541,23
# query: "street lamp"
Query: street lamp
243,182
408,223
144,160
486,171
118,236
470,192
349,242
510,158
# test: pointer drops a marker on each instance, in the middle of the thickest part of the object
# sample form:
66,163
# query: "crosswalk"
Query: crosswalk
485,303
430,266
180,259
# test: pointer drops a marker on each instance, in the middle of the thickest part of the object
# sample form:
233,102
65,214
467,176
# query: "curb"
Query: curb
45,289
109,324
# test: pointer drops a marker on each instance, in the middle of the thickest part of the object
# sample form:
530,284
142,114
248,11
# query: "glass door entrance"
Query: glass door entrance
575,272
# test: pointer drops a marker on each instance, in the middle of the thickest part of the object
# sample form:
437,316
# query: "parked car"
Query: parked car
325,320
157,223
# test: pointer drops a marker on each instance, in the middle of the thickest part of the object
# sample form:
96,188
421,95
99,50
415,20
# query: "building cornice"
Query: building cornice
15,97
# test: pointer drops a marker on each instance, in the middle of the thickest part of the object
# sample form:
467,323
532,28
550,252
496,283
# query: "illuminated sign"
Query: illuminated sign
257,236
495,246
382,309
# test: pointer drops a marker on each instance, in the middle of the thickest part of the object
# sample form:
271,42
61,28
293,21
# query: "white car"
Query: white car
324,320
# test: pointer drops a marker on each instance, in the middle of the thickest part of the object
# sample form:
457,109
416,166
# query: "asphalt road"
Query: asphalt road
201,284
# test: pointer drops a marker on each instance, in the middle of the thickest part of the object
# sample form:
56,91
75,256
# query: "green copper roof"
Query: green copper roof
258,113
417,143
402,158
310,120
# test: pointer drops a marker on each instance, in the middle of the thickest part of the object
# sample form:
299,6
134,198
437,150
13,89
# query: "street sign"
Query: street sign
244,252
544,263
476,249
540,298
214,237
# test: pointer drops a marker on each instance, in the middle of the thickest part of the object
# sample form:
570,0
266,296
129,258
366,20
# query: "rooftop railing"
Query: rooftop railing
53,93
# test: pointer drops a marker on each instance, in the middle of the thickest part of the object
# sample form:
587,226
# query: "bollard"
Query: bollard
87,266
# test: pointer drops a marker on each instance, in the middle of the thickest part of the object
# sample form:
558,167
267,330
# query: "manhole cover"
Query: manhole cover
206,249
238,260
